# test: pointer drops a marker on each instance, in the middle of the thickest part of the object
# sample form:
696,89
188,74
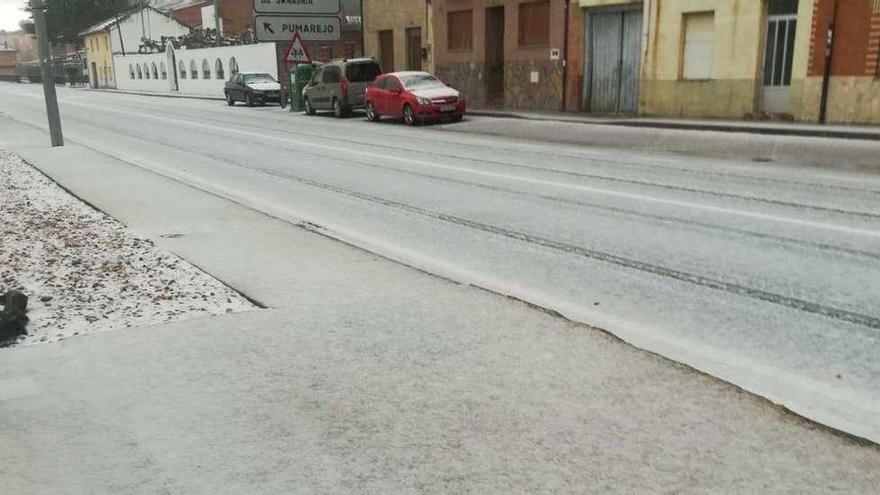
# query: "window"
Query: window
140,73
181,67
130,71
233,66
534,23
218,69
193,70
162,70
331,75
699,35
206,69
460,30
362,71
782,7
155,71
146,71
319,76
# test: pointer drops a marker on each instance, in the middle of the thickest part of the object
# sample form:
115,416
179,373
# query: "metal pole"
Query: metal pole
46,71
565,57
217,22
119,30
826,77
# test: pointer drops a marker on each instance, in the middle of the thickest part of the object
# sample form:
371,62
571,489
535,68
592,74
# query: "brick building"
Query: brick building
854,89
502,52
236,16
25,43
8,62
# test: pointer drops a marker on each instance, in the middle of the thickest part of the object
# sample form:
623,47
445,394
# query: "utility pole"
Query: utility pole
217,22
46,72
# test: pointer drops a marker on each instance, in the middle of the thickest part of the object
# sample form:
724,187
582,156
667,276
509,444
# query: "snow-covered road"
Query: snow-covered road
765,276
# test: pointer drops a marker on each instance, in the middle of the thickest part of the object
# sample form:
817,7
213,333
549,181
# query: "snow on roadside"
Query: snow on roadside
84,272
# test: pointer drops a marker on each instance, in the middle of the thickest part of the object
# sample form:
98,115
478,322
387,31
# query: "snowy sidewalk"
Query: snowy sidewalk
83,271
765,127
368,376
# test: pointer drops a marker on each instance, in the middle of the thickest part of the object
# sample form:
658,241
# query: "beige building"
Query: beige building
723,58
398,33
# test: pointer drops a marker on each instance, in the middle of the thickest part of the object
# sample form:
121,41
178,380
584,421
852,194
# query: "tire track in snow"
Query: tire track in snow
544,155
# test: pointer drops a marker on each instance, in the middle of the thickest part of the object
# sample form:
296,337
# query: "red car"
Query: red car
416,97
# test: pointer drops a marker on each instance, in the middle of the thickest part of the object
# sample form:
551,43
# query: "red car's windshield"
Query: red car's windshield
421,81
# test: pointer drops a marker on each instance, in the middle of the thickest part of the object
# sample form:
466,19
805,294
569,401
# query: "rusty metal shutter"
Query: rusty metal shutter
631,58
614,61
606,34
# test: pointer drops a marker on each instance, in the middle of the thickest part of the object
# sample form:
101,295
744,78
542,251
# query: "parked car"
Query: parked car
252,88
339,85
416,97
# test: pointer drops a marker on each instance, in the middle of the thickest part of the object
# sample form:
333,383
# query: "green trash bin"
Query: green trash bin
299,78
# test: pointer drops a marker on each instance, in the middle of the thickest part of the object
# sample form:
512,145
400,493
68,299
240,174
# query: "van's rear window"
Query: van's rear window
362,71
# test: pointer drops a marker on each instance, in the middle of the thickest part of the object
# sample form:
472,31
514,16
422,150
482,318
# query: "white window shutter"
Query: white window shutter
699,35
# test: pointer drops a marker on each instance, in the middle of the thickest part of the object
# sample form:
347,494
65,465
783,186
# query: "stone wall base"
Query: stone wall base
717,98
520,92
851,100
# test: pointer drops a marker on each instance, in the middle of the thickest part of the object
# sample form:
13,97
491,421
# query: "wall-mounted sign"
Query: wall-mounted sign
301,7
310,28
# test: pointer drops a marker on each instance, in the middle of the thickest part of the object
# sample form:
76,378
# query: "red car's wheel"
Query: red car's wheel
372,116
409,116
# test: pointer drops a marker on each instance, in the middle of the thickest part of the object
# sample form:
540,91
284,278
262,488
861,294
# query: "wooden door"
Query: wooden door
414,48
386,50
495,55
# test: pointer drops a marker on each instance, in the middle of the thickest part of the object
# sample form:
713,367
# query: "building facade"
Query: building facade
25,43
123,35
236,16
398,33
717,58
761,58
99,59
502,53
854,84
8,62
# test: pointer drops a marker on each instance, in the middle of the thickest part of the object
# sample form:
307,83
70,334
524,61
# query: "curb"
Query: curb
160,95
764,130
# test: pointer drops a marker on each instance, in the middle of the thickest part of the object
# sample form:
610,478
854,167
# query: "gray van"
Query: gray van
339,85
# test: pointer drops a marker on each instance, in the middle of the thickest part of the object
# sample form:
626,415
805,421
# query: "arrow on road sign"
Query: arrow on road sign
296,51
268,27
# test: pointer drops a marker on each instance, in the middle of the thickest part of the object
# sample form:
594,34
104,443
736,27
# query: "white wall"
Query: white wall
250,58
259,58
154,26
124,80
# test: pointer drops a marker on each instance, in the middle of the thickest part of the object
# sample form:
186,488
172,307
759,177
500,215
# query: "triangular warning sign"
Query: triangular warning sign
296,51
